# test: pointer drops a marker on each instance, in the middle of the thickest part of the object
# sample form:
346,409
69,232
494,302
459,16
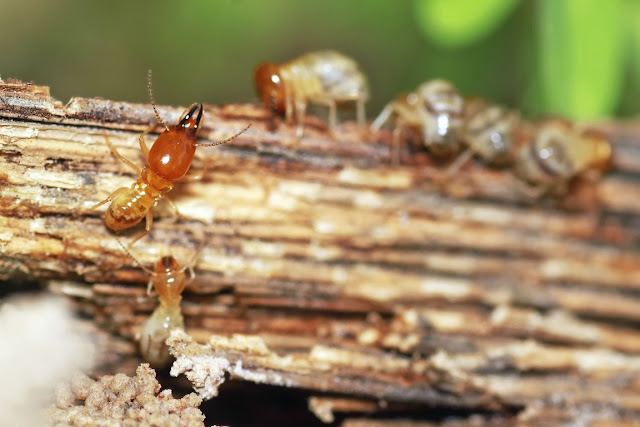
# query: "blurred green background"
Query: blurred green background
577,58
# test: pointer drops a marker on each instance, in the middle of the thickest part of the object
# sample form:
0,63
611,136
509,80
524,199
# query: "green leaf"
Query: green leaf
581,56
456,23
632,10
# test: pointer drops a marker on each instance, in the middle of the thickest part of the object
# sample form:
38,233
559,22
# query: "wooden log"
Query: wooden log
478,296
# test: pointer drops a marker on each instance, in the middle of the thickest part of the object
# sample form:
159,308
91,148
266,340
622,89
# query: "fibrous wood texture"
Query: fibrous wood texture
386,289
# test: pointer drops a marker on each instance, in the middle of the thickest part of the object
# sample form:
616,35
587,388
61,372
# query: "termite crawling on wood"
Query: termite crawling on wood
168,279
489,131
324,77
167,161
557,152
435,109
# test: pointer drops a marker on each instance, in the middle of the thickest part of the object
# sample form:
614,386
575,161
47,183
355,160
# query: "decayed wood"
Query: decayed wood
459,291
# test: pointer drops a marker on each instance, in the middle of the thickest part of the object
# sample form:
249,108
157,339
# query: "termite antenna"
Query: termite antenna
153,101
192,261
213,144
124,248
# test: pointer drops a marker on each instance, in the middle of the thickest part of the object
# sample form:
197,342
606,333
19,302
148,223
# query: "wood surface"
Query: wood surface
387,289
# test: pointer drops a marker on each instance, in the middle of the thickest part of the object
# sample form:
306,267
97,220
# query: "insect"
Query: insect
489,131
557,152
167,161
169,280
324,77
435,109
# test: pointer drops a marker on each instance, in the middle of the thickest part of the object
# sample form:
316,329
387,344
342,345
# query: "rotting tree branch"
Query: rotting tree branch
460,284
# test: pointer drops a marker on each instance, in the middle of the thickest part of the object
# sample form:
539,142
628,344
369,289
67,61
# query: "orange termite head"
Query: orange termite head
172,153
168,279
270,86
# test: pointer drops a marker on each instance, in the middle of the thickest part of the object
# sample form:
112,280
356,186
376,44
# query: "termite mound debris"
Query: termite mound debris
120,400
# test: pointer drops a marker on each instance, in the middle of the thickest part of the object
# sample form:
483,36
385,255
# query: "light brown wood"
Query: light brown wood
477,295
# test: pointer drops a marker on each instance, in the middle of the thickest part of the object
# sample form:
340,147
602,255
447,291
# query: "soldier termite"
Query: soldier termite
324,77
167,161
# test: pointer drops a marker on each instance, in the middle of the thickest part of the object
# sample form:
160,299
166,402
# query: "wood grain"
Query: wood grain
501,300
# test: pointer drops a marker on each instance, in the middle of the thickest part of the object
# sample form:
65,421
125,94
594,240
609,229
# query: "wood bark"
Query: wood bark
391,288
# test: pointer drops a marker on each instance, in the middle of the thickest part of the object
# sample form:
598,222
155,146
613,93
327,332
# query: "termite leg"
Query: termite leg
147,227
192,274
333,115
119,156
382,118
174,208
193,259
458,163
143,144
150,287
532,191
288,109
360,114
301,111
110,198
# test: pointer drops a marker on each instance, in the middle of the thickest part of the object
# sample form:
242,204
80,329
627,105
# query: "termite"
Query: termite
557,152
169,280
489,132
324,77
167,161
435,109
